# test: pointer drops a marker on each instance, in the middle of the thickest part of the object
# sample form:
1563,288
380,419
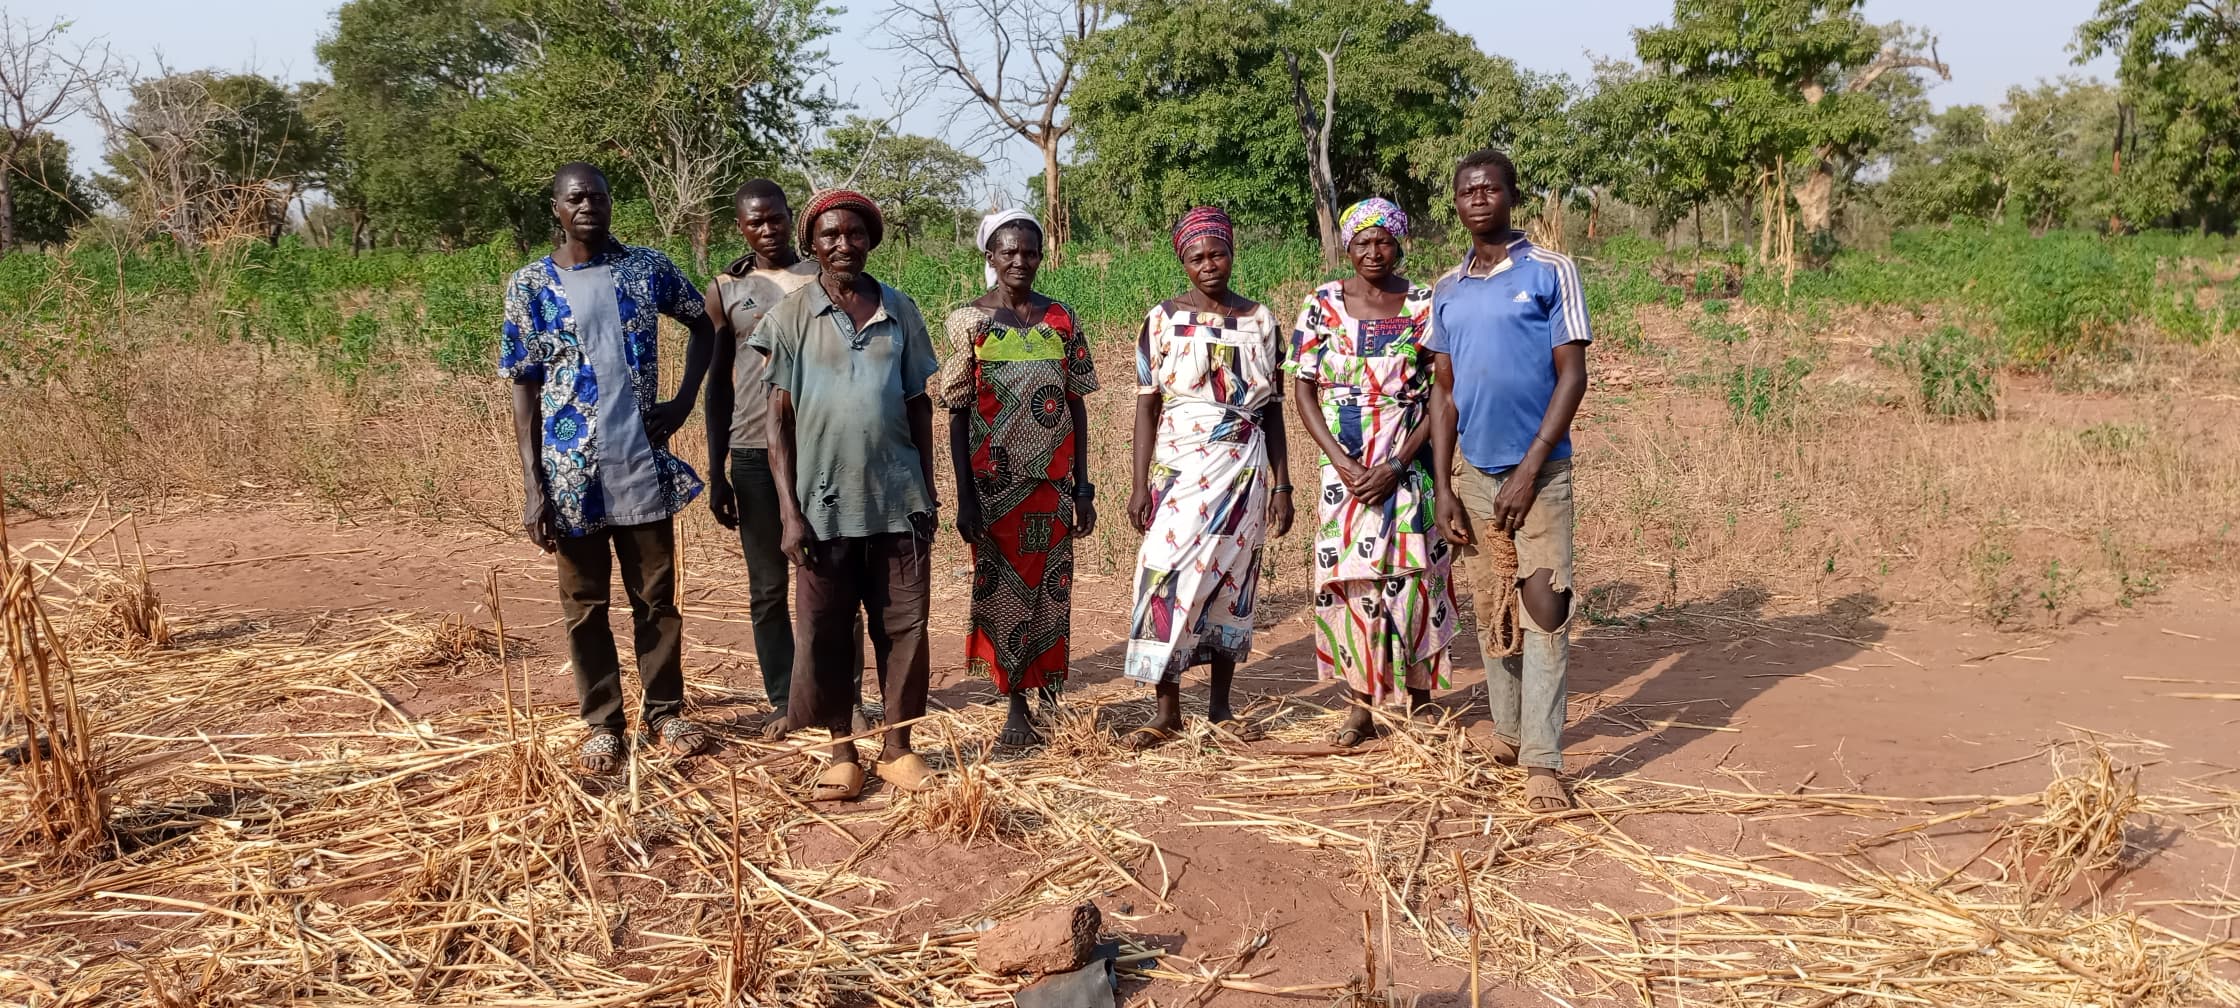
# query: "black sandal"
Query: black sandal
679,737
601,754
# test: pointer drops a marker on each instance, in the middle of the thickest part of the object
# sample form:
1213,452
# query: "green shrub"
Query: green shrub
1767,396
1955,374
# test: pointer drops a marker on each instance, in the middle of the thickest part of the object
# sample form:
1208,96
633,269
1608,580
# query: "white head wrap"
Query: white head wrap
988,226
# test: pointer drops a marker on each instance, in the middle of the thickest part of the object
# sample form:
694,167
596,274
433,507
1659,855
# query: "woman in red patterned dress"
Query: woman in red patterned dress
1014,377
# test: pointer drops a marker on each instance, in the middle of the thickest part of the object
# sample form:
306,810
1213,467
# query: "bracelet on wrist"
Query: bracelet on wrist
1281,488
1084,491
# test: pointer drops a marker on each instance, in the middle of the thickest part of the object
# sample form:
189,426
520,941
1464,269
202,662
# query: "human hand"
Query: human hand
666,418
1351,474
1140,506
1084,516
1454,520
536,522
722,503
1279,514
970,526
1515,499
1377,484
794,540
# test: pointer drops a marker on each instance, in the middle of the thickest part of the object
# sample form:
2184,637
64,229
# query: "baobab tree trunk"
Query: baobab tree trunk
1816,206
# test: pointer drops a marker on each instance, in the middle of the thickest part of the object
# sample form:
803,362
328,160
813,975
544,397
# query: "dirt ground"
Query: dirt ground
1846,695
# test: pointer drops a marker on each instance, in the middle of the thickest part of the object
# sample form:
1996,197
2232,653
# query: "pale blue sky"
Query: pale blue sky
1990,44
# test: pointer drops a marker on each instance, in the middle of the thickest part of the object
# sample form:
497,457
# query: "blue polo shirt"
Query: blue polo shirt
1500,331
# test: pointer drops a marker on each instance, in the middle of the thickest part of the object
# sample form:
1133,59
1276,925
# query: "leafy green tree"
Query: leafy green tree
2041,160
682,92
49,198
1951,174
919,182
410,79
1192,101
1540,120
1767,88
2179,67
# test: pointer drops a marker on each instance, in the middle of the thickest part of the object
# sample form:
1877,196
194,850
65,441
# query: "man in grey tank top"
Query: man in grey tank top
737,405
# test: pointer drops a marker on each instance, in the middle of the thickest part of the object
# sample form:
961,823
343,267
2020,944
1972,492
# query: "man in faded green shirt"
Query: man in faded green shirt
850,435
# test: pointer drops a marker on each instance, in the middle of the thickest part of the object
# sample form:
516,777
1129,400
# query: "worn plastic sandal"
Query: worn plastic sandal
839,782
1146,738
1349,737
907,772
1545,795
1240,730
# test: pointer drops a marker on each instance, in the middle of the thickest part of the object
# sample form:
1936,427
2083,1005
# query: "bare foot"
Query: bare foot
778,727
1018,725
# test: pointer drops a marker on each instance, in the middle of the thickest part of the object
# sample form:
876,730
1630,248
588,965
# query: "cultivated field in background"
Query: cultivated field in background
2017,428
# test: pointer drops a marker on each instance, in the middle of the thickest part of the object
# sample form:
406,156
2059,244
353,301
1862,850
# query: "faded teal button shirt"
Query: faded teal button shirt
855,471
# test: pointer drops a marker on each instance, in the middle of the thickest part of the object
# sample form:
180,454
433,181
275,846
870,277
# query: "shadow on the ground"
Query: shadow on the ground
1680,672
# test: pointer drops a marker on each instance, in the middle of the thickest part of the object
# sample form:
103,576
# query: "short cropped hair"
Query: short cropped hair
575,170
760,189
1499,163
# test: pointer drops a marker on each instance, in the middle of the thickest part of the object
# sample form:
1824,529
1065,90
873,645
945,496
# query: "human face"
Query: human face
1481,201
1375,253
840,242
1208,261
1016,256
767,225
581,207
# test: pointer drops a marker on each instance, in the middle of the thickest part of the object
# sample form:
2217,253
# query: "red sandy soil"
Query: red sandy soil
1847,694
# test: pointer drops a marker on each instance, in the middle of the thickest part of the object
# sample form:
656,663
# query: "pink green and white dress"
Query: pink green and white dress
1198,571
1384,603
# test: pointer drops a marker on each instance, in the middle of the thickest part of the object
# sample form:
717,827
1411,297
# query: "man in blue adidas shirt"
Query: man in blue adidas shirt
1509,338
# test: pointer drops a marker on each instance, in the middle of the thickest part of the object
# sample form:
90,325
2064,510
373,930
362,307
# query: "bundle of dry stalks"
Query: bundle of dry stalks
62,813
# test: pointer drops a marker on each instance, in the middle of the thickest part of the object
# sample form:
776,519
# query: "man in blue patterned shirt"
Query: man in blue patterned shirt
581,346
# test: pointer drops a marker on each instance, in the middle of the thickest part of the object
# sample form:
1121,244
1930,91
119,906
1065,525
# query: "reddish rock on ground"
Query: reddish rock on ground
1051,940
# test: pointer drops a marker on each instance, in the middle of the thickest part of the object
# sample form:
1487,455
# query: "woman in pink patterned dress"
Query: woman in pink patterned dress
1211,479
1384,595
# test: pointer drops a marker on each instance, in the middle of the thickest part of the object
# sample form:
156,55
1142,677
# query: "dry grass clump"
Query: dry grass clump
2080,827
969,804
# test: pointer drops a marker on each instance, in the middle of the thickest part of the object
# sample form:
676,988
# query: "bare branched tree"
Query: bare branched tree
43,81
1316,131
192,166
1015,61
806,137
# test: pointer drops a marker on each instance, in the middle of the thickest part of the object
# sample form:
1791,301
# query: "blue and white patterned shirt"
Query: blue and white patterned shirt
542,343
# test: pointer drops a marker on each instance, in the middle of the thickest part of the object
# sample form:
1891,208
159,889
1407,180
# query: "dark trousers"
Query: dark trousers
768,575
884,578
647,555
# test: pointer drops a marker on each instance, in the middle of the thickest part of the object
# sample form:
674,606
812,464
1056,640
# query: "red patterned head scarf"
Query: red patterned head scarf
843,199
1202,222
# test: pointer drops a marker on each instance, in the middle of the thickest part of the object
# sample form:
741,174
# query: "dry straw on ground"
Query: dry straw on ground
286,831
